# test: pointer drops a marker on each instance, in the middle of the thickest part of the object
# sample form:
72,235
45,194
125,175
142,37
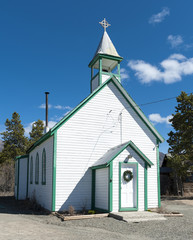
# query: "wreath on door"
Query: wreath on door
128,176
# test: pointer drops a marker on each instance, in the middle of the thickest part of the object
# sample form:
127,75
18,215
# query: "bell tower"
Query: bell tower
106,61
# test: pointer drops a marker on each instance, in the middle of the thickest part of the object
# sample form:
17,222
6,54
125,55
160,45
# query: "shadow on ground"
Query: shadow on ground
9,205
176,198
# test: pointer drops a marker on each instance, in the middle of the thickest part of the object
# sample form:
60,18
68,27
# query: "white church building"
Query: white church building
103,155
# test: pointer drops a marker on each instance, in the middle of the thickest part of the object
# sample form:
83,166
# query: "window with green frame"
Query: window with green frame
37,169
44,167
31,170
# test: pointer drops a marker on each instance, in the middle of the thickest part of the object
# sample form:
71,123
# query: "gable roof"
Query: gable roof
124,93
112,153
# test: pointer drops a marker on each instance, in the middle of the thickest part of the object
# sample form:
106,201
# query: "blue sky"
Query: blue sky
47,45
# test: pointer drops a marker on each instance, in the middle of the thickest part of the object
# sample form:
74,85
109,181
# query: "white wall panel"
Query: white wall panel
42,193
22,178
101,188
87,135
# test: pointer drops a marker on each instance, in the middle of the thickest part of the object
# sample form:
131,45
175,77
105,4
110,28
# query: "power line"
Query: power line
161,100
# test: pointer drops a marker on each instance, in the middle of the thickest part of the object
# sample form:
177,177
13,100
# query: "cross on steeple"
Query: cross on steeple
104,24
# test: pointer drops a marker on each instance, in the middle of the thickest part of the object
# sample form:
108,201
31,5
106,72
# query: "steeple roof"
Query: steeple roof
106,46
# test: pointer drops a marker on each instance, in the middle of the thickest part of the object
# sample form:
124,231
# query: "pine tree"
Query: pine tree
15,143
37,131
181,140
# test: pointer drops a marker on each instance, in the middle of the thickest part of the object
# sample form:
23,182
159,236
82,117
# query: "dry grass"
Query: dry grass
7,177
71,210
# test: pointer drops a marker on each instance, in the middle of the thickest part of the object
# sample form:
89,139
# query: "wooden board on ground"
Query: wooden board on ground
79,217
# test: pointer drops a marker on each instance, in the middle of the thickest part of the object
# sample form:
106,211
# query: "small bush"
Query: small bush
91,212
7,177
71,210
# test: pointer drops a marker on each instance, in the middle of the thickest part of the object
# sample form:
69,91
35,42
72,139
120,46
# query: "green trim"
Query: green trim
110,74
27,176
93,188
94,76
44,167
37,166
41,140
86,100
22,156
158,175
99,166
18,166
95,59
139,112
54,172
145,188
110,187
77,108
119,72
128,99
133,208
137,150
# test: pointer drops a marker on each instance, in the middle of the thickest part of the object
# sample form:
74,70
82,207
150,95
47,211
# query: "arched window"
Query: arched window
37,169
31,170
44,167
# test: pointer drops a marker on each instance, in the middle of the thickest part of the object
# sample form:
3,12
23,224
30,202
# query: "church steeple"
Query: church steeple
105,61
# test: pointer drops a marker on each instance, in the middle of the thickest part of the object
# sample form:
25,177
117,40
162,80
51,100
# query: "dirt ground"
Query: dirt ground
18,222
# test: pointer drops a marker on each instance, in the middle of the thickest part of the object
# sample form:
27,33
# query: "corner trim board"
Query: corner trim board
54,172
158,175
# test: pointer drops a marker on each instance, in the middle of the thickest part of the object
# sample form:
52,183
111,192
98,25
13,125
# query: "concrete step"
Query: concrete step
137,216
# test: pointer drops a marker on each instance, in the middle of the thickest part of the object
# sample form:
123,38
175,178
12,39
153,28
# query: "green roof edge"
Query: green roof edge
136,149
21,156
81,104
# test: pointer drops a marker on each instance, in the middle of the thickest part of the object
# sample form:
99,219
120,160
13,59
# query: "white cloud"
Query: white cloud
59,107
159,17
175,41
156,118
124,74
62,107
171,69
43,106
28,128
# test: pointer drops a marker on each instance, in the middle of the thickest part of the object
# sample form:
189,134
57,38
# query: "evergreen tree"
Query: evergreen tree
181,140
37,131
15,143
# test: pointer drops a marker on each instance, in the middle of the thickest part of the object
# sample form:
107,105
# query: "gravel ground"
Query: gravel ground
18,224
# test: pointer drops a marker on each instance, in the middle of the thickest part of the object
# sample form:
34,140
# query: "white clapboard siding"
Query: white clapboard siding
22,178
42,193
101,188
87,136
121,158
104,78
